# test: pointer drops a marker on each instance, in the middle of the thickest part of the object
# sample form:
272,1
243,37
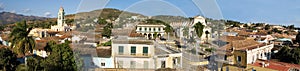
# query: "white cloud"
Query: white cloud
48,14
26,10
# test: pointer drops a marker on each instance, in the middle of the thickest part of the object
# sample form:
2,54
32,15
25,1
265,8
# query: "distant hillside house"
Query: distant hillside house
61,24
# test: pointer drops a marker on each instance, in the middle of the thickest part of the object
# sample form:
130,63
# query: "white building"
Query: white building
191,30
61,24
143,54
149,30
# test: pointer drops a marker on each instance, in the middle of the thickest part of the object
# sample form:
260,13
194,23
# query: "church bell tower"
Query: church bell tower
60,17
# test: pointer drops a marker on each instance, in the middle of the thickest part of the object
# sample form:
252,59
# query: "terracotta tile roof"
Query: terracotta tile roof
231,38
52,32
281,36
244,33
261,33
243,44
103,52
281,66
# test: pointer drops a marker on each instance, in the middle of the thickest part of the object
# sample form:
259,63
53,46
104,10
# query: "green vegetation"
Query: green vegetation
21,42
206,33
267,27
168,29
298,38
8,60
210,49
61,59
233,23
155,35
185,31
199,29
108,43
107,30
289,55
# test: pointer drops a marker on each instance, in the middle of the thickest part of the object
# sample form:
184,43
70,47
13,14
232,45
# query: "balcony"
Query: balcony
134,55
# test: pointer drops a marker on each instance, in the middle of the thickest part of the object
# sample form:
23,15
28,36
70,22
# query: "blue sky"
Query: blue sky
283,12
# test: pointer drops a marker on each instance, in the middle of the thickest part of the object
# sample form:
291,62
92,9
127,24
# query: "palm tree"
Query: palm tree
206,33
21,42
199,29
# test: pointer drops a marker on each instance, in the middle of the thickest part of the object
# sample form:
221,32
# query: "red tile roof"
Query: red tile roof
281,66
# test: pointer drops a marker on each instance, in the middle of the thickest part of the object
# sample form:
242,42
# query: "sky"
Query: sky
282,12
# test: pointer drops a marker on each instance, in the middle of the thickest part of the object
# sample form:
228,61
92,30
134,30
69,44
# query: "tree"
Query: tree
60,59
168,29
199,29
33,63
21,42
289,55
267,27
155,35
185,31
8,60
206,33
298,38
107,30
291,27
102,21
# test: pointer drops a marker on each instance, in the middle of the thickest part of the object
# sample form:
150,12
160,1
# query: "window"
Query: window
102,64
121,50
145,50
158,29
140,29
163,64
145,29
132,64
239,58
149,29
146,64
154,29
133,50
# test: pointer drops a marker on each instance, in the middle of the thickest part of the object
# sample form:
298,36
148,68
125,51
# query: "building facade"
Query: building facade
150,30
143,54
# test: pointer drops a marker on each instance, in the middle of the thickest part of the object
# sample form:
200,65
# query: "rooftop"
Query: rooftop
281,66
103,52
148,42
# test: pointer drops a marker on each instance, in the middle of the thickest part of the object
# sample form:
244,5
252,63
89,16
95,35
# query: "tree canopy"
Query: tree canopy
168,28
289,55
8,60
21,42
199,29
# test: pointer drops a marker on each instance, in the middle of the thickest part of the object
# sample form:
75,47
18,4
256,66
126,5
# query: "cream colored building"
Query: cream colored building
38,32
143,54
243,52
148,30
206,28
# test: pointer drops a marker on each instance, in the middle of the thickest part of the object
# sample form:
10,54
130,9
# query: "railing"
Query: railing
135,55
